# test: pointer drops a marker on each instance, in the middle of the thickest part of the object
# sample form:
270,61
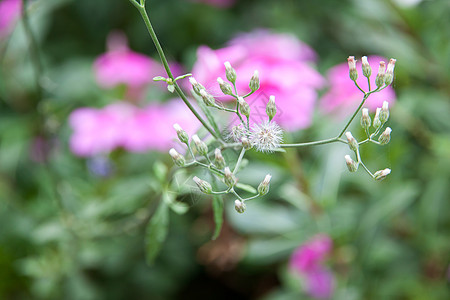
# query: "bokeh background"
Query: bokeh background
74,227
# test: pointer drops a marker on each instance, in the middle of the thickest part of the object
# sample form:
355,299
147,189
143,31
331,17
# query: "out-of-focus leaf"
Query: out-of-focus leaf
217,204
246,187
156,231
178,207
160,170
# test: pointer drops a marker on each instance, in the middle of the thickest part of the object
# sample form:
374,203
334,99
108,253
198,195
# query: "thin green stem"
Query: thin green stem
253,197
366,95
34,50
241,156
357,85
237,195
162,56
321,142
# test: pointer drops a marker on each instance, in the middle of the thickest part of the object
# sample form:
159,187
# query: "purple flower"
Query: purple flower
343,97
284,65
307,261
9,13
123,125
122,66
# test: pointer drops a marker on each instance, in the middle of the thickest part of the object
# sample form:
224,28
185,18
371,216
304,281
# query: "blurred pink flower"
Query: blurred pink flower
284,65
9,12
121,124
218,3
121,66
343,97
307,260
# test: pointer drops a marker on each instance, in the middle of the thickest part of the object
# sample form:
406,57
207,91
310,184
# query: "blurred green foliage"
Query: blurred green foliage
67,233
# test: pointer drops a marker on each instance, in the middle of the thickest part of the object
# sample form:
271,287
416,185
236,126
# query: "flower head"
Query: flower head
266,137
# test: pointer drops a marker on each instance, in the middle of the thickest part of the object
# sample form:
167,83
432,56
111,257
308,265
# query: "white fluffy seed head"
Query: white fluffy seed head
266,137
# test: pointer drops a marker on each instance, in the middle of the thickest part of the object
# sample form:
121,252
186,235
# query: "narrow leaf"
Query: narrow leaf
156,232
217,205
246,187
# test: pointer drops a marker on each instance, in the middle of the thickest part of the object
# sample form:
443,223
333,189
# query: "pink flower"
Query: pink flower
343,97
123,125
122,66
9,12
284,65
218,3
308,261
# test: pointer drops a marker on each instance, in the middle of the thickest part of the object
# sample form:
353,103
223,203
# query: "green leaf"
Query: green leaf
246,187
156,231
183,76
159,78
217,205
178,207
160,170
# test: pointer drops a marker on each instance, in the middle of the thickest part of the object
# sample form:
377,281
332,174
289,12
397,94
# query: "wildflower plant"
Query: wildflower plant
264,136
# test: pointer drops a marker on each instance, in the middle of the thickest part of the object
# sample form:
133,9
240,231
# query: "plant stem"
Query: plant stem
241,155
321,142
366,95
162,56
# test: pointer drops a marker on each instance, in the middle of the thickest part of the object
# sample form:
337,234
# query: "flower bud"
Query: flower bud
271,108
365,119
178,159
385,137
351,164
244,107
254,81
352,143
196,86
246,143
203,185
230,72
366,69
219,160
389,77
376,120
263,187
384,112
182,135
229,178
352,68
225,87
239,206
208,99
379,80
200,145
380,175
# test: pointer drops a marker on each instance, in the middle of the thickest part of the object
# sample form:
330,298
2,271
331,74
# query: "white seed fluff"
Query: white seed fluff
266,137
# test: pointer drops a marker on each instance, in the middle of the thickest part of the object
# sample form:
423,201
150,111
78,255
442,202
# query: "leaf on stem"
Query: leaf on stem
156,232
217,205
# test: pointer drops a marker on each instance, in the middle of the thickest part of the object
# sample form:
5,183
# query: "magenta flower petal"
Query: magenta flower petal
320,283
9,12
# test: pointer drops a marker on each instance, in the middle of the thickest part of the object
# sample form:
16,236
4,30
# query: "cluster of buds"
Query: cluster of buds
385,76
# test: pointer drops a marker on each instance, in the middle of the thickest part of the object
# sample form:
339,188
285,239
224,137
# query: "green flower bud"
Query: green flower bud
229,178
178,159
385,137
380,175
390,72
351,164
225,87
352,143
352,68
254,81
263,187
196,86
271,108
219,160
182,135
365,118
244,107
239,206
207,98
379,80
367,70
201,147
376,120
203,185
384,112
230,72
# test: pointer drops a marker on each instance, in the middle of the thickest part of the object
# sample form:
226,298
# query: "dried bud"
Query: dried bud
352,143
229,178
225,87
351,164
239,206
203,185
208,99
385,137
230,72
379,80
263,187
352,68
271,108
254,81
246,143
389,77
200,145
376,120
380,175
196,86
182,135
365,119
244,107
178,159
384,112
219,160
366,69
